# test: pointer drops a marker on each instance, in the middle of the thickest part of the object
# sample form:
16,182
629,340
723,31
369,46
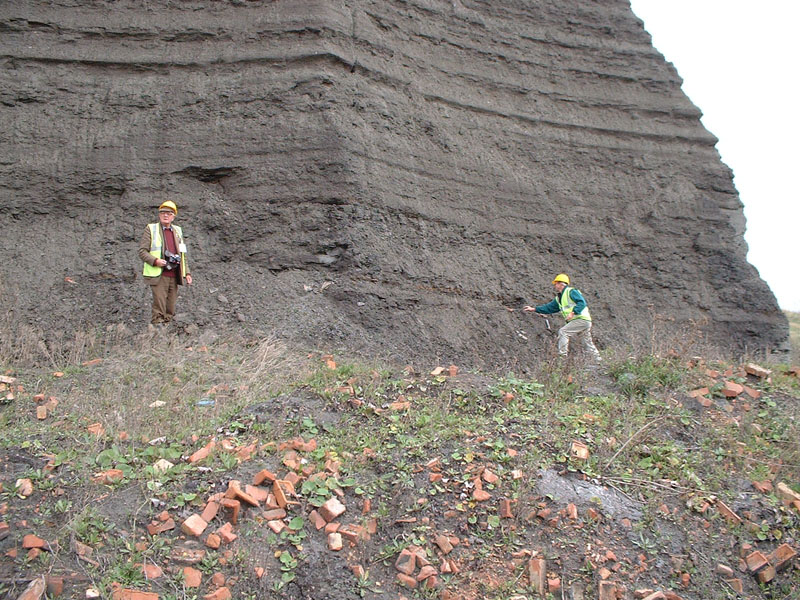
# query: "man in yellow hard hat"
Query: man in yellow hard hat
572,306
162,249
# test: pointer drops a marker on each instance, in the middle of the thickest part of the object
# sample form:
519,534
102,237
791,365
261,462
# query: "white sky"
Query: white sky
740,61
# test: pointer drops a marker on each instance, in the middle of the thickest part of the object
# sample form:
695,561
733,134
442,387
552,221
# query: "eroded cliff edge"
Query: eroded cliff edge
381,176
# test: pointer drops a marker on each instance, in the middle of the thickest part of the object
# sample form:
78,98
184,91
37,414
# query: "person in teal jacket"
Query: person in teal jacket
569,302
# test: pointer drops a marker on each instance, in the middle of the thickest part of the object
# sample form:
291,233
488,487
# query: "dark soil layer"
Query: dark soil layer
385,177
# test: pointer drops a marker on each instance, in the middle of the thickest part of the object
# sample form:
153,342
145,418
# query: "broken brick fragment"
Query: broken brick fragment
406,562
192,577
537,574
33,541
505,509
731,389
222,593
480,495
444,544
782,556
194,525
728,514
331,509
264,476
210,511
234,506
203,452
756,561
226,533
335,541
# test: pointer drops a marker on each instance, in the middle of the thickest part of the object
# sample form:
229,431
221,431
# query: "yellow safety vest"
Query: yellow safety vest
156,239
565,304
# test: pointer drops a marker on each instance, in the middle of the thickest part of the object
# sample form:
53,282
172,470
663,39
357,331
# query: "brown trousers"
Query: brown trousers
165,295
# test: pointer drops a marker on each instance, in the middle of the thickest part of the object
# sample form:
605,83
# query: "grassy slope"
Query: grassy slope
406,452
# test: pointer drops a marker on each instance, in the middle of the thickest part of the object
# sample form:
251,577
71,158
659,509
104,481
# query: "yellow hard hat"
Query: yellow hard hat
169,204
562,277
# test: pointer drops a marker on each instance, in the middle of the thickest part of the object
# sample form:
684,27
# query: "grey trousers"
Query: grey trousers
581,329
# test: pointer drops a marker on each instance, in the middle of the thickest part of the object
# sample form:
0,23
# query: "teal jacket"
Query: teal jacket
553,307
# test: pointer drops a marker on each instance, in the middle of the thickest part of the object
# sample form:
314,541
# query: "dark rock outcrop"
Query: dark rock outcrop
384,176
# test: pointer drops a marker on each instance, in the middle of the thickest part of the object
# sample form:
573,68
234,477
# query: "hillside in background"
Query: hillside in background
383,177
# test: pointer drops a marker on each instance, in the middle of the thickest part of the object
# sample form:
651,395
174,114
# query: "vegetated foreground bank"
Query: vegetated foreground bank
215,468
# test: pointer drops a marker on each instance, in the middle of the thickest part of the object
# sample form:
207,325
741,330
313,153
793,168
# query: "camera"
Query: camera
173,260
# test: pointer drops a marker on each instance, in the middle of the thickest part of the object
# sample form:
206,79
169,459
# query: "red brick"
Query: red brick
331,509
579,450
731,389
240,494
332,527
210,511
335,541
766,574
352,533
316,519
203,452
32,541
505,509
194,525
276,525
698,392
489,477
279,494
234,506
264,476
152,571
763,486
608,590
553,585
292,478
757,370
754,394
272,514
222,593
756,561
785,493
724,571
537,574
406,580
406,562
213,541
259,493
729,515
480,495
425,572
782,556
736,584
108,477
192,577
226,533
444,544
55,586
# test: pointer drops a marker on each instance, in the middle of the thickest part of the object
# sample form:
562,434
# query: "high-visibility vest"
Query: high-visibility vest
156,250
566,304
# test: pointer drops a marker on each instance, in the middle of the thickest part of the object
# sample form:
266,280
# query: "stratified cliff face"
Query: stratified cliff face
374,175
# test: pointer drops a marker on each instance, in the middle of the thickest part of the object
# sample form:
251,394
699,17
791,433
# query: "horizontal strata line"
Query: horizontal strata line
336,59
337,34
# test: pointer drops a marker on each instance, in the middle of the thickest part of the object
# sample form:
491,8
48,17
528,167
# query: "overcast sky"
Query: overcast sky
739,61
